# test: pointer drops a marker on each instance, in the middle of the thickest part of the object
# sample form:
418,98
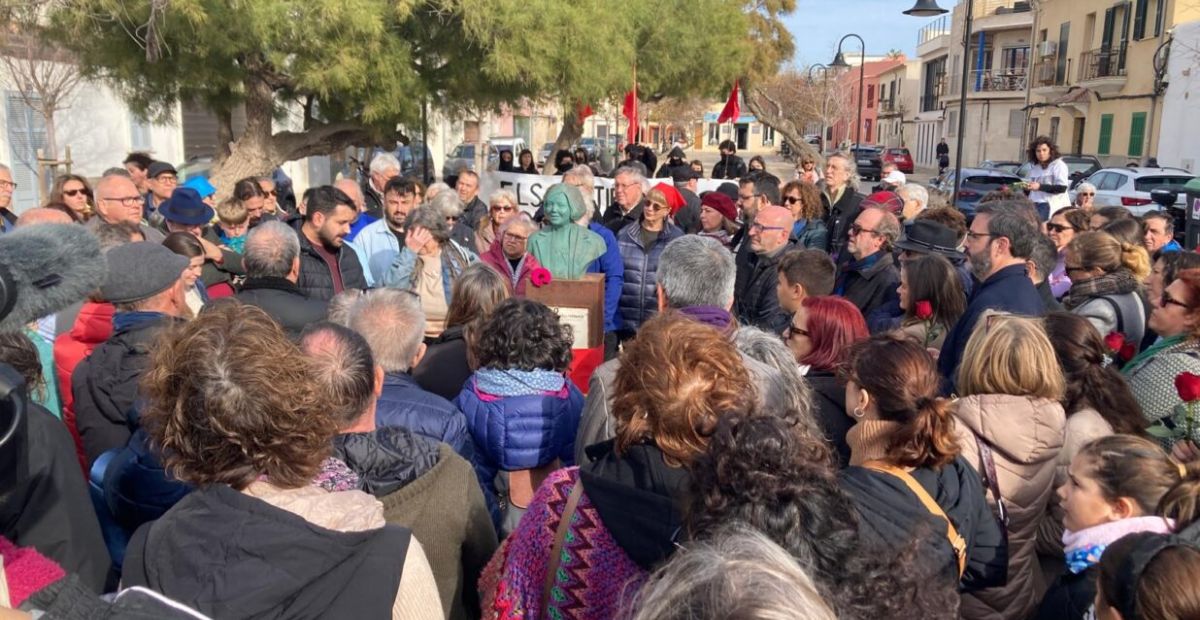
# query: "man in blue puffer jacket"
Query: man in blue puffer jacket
394,325
521,409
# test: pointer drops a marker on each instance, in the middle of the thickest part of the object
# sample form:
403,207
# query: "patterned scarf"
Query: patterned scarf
1084,548
513,382
1118,282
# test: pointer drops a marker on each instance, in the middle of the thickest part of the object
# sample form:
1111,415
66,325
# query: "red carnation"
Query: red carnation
924,310
1114,341
1128,352
1188,386
540,277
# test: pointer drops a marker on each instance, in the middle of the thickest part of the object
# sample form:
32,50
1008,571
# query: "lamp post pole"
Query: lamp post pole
839,61
824,100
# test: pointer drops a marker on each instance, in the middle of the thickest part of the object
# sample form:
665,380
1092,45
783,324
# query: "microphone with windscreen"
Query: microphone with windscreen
45,268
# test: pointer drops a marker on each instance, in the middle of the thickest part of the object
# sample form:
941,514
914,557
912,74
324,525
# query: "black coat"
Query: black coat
386,459
231,263
272,563
1070,596
890,510
283,301
444,369
871,288
730,167
688,216
838,218
105,386
315,279
372,200
44,502
754,293
829,400
473,212
614,220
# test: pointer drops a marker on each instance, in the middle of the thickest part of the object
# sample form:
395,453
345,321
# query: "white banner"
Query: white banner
530,188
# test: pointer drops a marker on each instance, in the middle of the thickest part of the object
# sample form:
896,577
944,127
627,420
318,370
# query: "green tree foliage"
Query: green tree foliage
360,68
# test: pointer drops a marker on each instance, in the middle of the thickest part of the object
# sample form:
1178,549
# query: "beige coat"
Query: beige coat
355,511
1026,436
918,332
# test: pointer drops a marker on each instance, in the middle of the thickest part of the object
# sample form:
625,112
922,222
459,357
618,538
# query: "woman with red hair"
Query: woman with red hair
821,330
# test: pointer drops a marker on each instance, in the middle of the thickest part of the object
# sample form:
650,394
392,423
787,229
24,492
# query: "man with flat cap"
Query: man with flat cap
145,286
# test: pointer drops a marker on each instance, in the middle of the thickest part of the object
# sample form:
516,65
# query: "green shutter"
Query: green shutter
1139,19
1137,134
1105,134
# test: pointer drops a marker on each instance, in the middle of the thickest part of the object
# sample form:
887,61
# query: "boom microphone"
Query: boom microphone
45,268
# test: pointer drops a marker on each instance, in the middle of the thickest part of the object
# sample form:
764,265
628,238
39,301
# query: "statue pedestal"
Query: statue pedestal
580,304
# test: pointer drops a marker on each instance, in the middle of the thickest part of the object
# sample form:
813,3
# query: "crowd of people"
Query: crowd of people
817,400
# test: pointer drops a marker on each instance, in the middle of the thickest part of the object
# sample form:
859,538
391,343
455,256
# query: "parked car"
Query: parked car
1130,187
545,153
413,159
1011,167
463,158
1079,167
976,183
591,146
869,160
899,156
511,144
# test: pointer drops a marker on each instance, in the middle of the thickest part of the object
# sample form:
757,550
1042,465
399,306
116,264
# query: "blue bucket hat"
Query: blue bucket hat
201,185
185,207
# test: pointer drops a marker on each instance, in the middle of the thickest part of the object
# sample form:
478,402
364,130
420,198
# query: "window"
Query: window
952,122
1145,184
1139,19
1016,122
1033,129
26,134
1105,142
870,95
139,134
1137,134
1054,129
1158,17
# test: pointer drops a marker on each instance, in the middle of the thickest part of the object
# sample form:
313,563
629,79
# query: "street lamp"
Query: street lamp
824,100
930,8
839,62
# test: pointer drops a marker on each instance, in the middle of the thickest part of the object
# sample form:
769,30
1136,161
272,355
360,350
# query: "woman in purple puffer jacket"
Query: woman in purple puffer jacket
521,409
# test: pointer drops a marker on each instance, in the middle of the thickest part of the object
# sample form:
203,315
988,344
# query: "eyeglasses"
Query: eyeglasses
169,180
655,207
974,235
502,208
1059,227
792,330
271,193
759,228
7,185
75,192
1166,300
1087,193
855,229
791,200
127,201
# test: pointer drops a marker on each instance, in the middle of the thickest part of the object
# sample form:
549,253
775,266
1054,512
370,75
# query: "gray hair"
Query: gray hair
448,203
696,271
341,304
581,172
521,219
431,218
784,391
1044,256
637,175
393,323
888,226
1012,220
383,162
271,248
435,189
914,191
505,195
737,573
850,165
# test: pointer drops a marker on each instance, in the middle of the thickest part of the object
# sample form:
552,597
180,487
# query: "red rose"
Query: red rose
924,310
1114,341
1188,386
1128,352
540,277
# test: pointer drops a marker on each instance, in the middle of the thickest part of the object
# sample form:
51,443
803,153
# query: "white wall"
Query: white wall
1180,125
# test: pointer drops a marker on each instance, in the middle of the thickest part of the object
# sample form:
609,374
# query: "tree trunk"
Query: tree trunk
766,113
571,132
224,134
50,151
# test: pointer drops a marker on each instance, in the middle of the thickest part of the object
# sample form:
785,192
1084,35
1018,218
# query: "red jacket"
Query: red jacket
496,259
92,327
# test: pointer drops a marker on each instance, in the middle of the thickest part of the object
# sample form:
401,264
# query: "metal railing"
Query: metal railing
1104,62
930,103
1000,80
939,27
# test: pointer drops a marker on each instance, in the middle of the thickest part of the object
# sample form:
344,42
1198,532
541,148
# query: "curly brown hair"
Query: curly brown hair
676,379
229,398
811,207
523,335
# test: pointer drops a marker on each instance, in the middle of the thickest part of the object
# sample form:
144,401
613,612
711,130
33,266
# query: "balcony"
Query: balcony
934,37
997,81
1047,81
889,108
932,103
1103,69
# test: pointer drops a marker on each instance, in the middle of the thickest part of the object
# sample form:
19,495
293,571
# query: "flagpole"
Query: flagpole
637,118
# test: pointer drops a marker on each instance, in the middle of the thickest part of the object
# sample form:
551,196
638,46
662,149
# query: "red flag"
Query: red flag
630,111
583,111
731,111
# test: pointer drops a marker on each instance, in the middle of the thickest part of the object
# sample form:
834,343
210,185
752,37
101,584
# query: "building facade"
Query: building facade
848,81
933,52
898,102
1098,82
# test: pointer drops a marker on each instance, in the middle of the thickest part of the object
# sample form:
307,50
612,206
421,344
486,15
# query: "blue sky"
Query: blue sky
818,24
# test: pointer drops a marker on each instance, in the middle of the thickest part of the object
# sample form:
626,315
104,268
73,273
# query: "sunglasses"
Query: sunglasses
1166,300
855,229
502,208
792,330
1087,194
791,200
271,193
1059,227
75,192
655,207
